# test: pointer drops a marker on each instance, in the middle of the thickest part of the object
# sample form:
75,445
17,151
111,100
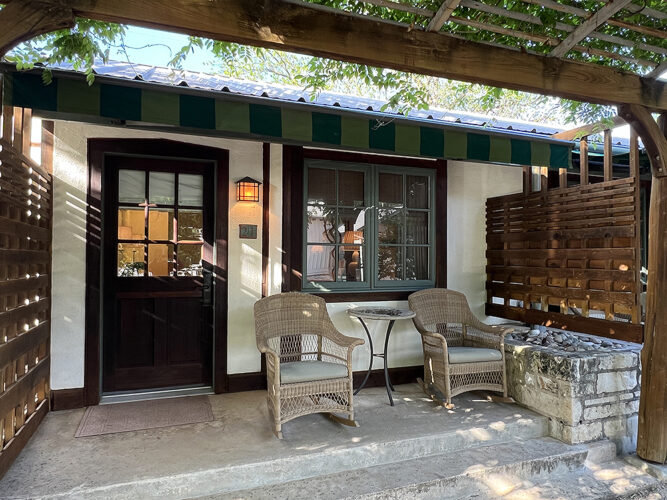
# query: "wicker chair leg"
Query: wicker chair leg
278,432
342,420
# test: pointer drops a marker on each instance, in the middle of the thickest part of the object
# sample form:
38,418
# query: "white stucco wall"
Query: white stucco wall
468,187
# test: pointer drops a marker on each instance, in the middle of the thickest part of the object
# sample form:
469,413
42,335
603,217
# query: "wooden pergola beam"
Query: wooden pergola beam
21,21
440,17
652,431
596,19
325,32
589,129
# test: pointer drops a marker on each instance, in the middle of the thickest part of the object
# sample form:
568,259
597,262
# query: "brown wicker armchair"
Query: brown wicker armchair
308,361
461,353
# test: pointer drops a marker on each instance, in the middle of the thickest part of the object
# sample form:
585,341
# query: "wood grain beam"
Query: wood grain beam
590,129
652,433
21,21
440,17
325,32
596,19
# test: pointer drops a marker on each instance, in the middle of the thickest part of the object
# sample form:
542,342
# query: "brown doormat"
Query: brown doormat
140,415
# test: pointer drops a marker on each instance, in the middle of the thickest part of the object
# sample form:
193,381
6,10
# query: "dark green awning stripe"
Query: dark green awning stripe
289,121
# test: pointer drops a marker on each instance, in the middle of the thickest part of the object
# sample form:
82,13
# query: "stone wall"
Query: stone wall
586,395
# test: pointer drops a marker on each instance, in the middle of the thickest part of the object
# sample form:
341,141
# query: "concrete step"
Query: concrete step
486,471
306,463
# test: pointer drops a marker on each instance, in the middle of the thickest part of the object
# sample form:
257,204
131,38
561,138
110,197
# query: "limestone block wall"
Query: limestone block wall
587,396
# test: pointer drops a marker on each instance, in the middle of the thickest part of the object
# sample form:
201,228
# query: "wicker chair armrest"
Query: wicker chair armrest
338,338
489,336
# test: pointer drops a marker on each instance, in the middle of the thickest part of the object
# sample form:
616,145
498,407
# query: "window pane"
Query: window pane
351,263
191,190
189,260
160,260
322,186
160,224
320,263
131,224
321,227
161,188
390,190
417,191
389,263
416,227
351,222
131,186
190,225
350,188
390,223
130,259
416,263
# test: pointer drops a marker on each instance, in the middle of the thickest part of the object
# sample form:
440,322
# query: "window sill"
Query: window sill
369,296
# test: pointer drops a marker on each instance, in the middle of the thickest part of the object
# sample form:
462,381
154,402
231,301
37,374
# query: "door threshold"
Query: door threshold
168,392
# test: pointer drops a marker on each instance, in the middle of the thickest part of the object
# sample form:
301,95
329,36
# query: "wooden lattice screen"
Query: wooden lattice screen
25,282
568,257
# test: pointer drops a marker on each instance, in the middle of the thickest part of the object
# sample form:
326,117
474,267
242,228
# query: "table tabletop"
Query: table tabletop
389,313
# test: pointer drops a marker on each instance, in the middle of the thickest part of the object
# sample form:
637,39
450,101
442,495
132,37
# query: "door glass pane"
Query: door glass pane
390,190
416,227
131,224
322,186
390,223
350,264
416,263
389,263
321,225
160,260
161,188
417,191
350,188
190,225
189,260
351,222
191,190
130,259
131,186
160,224
320,263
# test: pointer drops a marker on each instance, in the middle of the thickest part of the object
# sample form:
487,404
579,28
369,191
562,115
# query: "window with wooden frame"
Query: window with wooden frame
370,224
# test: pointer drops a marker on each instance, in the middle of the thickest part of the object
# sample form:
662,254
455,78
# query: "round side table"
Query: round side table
376,314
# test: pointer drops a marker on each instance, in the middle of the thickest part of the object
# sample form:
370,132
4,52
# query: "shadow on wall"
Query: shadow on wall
69,279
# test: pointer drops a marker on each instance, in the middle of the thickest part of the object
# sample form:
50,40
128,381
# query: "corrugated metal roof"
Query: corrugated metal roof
218,83
205,81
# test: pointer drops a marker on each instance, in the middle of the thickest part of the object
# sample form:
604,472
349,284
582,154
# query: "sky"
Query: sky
158,49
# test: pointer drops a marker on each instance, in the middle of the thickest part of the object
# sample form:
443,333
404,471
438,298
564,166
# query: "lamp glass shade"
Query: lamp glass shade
247,189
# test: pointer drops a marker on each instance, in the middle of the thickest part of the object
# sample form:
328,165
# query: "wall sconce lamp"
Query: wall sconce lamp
247,189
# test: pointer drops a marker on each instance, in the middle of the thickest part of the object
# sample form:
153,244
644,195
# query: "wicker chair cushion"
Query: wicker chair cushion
473,355
308,371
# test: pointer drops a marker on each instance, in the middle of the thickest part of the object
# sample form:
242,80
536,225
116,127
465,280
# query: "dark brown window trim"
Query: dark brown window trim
293,157
97,148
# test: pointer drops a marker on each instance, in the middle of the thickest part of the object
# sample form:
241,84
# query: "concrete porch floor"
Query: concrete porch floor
170,461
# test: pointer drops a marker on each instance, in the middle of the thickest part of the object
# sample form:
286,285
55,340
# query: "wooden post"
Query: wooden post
652,434
608,157
583,160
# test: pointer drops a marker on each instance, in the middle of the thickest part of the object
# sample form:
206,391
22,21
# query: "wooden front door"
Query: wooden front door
157,273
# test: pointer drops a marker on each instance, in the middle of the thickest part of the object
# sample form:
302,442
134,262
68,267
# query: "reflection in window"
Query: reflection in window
368,225
189,260
161,224
131,224
190,190
160,259
131,186
130,259
161,188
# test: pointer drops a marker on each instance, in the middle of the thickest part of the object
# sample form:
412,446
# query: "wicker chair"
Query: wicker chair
461,353
308,361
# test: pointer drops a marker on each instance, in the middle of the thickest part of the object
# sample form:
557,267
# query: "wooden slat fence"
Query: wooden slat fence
25,283
567,257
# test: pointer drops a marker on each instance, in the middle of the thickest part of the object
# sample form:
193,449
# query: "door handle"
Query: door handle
207,289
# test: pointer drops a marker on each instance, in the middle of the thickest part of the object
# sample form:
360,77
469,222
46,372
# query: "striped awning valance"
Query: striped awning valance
280,121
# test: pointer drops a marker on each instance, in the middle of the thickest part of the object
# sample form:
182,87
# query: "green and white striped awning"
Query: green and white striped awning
70,97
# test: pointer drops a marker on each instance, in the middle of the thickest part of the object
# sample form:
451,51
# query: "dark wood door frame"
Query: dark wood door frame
97,150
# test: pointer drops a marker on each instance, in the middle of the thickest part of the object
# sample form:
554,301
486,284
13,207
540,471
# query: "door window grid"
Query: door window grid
174,253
